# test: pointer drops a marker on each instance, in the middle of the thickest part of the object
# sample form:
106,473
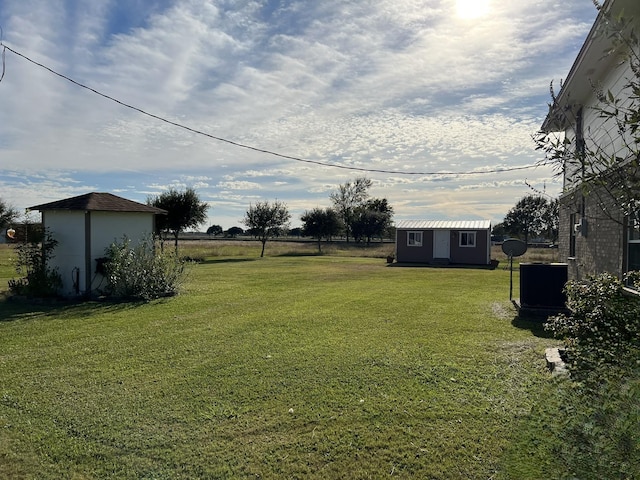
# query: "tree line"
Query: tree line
353,213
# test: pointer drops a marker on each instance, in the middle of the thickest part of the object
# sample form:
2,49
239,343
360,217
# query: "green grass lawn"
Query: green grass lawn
281,367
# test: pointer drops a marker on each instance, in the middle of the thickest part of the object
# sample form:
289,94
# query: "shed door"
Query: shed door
441,244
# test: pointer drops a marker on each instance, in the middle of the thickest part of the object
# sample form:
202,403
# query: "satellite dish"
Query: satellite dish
514,247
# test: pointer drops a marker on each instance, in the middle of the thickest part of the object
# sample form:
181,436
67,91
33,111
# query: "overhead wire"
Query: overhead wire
250,147
4,51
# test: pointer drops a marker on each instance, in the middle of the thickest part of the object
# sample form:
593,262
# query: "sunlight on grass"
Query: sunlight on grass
282,367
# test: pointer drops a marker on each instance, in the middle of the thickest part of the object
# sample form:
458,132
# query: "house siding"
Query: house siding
600,133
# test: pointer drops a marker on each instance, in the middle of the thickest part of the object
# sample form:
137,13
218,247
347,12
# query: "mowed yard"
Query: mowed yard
289,366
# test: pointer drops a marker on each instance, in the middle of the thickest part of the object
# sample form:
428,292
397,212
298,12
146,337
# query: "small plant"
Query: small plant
38,279
141,272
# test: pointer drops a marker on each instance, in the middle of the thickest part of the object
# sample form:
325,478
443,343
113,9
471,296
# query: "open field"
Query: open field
290,366
243,247
251,248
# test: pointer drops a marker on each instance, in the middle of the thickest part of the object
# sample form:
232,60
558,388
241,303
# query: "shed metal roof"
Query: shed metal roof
103,202
443,224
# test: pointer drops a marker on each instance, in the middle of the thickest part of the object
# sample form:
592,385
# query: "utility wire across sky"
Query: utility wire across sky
5,48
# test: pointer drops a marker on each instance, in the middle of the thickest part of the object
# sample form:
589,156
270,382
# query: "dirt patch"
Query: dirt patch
503,310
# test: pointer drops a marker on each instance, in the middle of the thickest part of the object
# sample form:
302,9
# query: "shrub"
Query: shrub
601,332
141,272
600,411
38,279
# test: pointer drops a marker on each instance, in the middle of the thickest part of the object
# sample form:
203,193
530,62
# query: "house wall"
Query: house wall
601,247
600,64
69,229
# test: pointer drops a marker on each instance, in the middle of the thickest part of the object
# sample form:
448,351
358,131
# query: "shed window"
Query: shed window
467,239
414,239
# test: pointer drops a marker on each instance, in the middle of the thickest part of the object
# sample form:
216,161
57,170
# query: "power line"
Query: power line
249,147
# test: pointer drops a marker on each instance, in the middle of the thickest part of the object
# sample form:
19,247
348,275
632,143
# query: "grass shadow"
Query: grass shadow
302,254
459,266
12,310
533,320
534,325
227,260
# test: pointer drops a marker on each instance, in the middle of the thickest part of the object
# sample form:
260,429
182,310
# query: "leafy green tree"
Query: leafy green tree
233,232
321,223
348,198
372,219
498,230
296,232
8,214
527,218
184,210
551,220
267,220
214,230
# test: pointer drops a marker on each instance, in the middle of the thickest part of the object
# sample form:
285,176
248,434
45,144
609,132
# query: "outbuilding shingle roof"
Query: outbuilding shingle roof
443,224
103,202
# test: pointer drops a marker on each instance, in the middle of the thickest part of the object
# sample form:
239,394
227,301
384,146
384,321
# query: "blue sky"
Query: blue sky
397,85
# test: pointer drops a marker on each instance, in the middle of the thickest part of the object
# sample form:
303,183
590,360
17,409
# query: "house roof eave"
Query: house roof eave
592,62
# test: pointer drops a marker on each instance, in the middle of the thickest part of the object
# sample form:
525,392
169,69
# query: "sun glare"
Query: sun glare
471,9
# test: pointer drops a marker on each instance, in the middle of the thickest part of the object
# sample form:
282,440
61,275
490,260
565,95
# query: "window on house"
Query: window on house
467,239
414,239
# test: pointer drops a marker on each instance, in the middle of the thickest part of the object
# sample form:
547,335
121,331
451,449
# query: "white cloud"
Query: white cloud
239,185
393,85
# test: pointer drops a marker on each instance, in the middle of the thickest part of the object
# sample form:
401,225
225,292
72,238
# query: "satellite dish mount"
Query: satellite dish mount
513,248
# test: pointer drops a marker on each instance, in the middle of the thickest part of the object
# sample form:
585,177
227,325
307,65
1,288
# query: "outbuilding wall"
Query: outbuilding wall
83,237
478,255
67,228
110,227
407,254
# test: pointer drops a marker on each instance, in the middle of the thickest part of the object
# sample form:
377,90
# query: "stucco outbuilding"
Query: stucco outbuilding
84,226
